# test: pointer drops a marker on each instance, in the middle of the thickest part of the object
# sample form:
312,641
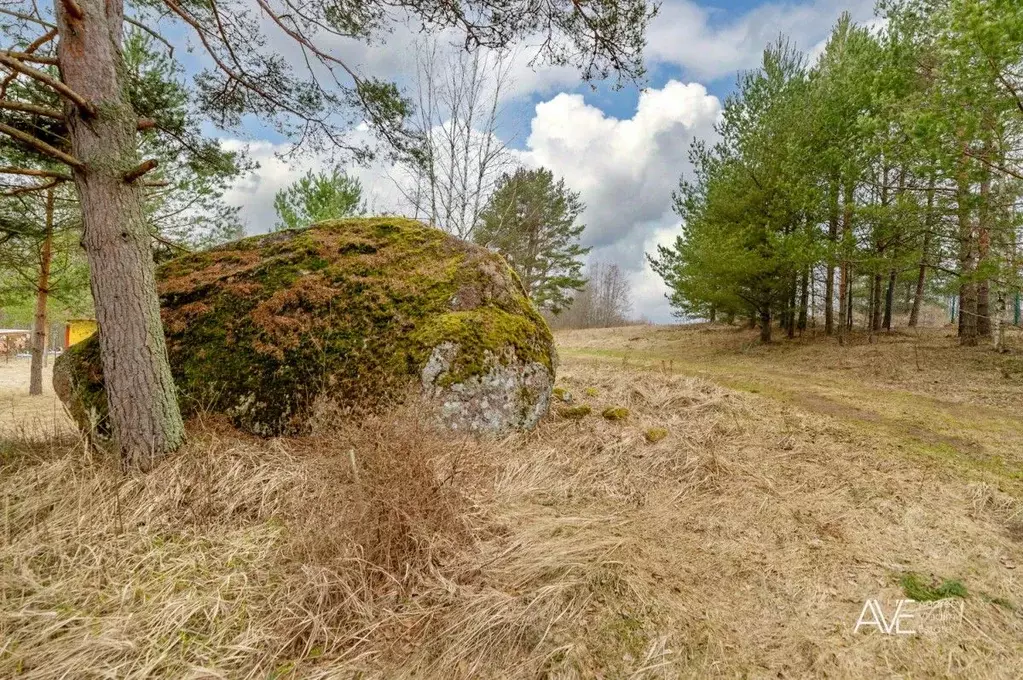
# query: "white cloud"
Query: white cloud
694,38
625,170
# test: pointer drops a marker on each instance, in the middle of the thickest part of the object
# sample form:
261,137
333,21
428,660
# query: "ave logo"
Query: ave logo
873,614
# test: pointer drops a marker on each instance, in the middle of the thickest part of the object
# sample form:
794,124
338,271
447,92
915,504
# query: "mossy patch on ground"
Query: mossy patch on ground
575,412
615,413
348,309
655,434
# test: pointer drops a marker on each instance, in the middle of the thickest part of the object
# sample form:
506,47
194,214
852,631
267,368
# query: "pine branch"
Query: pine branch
142,169
26,17
31,108
36,187
33,46
48,80
171,244
33,172
41,146
138,24
34,58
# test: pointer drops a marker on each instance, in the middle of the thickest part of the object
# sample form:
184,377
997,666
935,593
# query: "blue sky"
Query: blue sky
623,149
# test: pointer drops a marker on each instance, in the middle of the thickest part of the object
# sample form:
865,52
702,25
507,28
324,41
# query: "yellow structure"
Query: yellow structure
78,330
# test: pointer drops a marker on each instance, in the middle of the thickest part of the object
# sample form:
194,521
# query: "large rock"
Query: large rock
354,311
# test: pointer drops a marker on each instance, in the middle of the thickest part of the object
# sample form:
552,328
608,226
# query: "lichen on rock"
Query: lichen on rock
354,310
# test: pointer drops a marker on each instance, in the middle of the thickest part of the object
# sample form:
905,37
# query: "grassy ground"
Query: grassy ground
786,486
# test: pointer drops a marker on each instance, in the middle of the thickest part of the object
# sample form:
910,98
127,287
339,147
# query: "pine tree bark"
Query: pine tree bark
889,299
844,281
39,331
829,275
967,261
984,214
875,304
998,335
142,401
765,325
921,279
804,299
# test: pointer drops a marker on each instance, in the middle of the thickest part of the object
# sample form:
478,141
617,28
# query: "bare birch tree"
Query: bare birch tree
458,103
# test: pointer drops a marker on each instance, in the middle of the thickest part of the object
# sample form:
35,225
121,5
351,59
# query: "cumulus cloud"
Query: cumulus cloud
625,170
708,45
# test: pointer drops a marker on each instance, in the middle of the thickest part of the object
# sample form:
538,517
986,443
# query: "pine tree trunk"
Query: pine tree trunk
849,303
35,385
921,279
998,336
143,407
829,275
967,263
889,299
765,325
790,319
804,299
844,279
875,304
983,250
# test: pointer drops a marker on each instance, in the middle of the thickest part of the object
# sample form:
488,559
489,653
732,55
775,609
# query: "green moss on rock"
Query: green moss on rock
349,309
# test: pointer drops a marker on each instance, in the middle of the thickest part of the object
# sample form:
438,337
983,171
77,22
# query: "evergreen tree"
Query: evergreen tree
318,196
531,220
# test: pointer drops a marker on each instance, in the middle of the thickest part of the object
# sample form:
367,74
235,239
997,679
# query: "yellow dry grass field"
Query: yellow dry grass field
733,521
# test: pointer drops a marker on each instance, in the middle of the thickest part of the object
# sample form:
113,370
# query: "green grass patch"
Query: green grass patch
920,590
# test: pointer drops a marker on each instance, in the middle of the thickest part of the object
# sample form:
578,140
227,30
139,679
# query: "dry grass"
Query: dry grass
743,543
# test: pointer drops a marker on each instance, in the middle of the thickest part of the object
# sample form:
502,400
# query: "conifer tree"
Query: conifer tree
531,220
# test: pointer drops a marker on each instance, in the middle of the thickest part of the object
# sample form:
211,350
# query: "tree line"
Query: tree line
887,170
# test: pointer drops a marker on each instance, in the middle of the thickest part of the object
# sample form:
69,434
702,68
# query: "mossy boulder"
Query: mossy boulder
355,311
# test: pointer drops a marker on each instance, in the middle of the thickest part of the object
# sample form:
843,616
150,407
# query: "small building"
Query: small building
77,330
